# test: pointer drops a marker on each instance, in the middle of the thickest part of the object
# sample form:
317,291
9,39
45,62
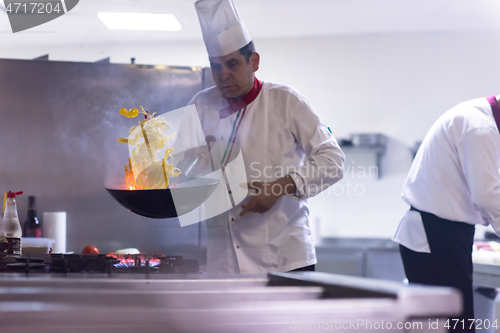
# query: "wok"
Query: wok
172,202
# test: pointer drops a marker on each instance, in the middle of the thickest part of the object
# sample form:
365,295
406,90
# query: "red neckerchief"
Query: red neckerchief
236,104
495,109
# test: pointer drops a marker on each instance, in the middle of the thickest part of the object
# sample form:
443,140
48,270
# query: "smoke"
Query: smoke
85,99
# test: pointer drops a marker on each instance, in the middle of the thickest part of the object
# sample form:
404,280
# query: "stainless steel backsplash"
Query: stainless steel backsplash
56,122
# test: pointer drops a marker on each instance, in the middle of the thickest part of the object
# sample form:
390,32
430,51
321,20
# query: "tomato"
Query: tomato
89,249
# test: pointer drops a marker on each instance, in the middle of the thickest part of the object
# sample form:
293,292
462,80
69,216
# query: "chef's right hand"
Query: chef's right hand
267,193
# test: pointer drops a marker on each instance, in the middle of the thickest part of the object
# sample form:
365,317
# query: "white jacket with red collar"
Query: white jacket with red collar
279,134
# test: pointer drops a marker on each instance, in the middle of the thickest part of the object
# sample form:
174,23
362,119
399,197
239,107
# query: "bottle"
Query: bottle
32,227
4,202
10,228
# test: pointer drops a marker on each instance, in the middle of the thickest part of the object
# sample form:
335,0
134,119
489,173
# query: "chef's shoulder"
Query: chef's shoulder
289,102
471,116
283,92
207,97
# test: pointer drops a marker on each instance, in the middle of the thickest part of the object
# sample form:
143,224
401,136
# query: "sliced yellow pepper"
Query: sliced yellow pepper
168,151
129,114
129,141
165,174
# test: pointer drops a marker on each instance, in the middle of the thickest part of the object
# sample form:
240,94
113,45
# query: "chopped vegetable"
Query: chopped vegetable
129,114
154,172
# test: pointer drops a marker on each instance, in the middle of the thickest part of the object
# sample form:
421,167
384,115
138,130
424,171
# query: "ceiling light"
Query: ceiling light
140,21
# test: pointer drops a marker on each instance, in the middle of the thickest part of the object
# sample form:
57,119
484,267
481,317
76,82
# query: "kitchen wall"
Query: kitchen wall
394,84
59,125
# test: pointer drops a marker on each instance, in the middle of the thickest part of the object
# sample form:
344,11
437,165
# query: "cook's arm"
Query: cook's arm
325,160
479,162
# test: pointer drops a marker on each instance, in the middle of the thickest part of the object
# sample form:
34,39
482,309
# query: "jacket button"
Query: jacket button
237,246
233,219
229,191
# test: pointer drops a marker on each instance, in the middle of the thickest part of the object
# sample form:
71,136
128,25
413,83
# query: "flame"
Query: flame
129,177
128,260
132,184
158,174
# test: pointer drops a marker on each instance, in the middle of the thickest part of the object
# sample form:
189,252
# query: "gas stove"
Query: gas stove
98,264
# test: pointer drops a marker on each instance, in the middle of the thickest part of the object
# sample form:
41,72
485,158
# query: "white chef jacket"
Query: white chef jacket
455,174
279,134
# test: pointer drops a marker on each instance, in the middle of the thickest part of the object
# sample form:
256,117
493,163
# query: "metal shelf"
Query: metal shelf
379,150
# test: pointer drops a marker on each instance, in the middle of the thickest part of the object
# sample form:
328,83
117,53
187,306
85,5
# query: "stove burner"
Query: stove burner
24,259
21,266
75,263
99,263
136,260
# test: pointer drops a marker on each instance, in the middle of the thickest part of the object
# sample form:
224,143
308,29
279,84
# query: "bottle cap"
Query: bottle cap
13,194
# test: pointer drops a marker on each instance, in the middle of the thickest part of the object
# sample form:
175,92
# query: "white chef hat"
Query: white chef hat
223,30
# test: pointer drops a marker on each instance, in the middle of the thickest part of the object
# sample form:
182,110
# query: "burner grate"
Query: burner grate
99,263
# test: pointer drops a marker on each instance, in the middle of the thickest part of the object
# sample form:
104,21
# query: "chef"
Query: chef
289,154
453,184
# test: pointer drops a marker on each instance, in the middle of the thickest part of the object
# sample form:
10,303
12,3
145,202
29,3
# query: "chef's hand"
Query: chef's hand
266,194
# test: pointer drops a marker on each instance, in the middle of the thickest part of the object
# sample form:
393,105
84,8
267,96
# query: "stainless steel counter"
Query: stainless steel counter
486,275
204,303
366,257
